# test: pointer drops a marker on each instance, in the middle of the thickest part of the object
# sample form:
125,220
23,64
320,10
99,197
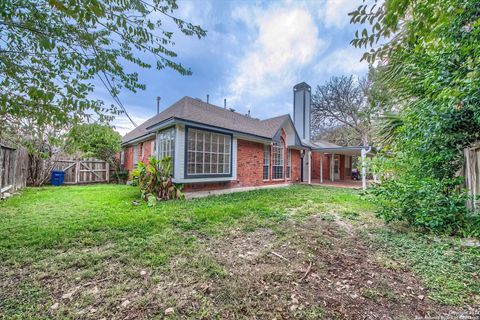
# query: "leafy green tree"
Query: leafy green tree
430,50
94,140
52,50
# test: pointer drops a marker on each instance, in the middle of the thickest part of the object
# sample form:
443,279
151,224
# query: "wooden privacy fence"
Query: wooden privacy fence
79,171
472,173
13,168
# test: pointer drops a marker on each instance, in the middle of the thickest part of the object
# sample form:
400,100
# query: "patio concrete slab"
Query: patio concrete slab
202,194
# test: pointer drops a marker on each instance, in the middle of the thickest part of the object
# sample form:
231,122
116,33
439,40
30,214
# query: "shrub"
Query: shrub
155,180
121,176
428,204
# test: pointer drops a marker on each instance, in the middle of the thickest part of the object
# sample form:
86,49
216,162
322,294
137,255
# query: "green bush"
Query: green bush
427,204
121,176
155,180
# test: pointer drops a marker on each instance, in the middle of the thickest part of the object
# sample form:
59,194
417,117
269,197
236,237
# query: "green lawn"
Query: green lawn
88,252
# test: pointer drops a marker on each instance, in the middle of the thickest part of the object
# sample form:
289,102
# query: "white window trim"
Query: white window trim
135,155
282,160
122,157
266,151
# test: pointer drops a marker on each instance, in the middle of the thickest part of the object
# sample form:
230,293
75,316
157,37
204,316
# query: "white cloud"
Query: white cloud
124,126
342,61
287,40
334,13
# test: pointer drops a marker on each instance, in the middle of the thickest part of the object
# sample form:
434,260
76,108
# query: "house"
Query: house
214,147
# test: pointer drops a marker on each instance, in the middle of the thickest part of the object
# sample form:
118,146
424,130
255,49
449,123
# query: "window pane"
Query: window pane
206,168
199,157
212,152
191,157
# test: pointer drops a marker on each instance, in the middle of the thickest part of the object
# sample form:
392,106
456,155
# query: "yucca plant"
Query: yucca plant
155,180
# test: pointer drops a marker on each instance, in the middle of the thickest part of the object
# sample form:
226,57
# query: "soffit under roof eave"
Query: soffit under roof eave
139,139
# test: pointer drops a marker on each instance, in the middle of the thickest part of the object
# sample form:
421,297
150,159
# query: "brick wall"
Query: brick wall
296,166
249,166
316,165
250,169
147,151
128,165
249,163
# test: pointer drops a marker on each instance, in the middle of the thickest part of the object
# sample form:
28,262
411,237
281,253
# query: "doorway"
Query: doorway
336,168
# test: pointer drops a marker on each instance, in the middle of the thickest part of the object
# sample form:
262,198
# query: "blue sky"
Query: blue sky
253,55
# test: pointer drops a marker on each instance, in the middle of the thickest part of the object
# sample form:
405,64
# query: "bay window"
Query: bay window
166,143
208,153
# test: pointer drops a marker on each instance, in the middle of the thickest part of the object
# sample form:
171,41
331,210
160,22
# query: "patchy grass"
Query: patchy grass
450,271
87,252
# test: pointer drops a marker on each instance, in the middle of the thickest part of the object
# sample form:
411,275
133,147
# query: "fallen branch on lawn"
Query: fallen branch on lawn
307,272
279,255
95,282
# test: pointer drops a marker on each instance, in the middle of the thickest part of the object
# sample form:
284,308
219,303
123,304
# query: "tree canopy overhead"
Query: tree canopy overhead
431,52
52,50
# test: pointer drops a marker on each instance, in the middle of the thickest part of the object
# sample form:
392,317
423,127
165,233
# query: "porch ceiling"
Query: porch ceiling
348,151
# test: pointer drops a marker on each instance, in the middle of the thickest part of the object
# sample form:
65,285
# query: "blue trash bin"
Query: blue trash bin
57,178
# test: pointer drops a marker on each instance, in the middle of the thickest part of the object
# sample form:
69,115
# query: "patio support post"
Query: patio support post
321,167
364,168
332,167
309,167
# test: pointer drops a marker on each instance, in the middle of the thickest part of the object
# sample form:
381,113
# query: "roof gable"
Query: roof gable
197,111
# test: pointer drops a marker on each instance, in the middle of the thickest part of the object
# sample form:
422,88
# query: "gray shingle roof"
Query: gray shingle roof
191,109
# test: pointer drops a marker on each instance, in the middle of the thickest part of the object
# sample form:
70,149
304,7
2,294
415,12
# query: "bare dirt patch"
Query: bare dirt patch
316,269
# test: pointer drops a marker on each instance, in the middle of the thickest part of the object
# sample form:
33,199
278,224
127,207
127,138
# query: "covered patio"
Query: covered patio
333,165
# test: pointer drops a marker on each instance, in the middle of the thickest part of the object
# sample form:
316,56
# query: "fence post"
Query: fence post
77,171
108,171
14,170
1,166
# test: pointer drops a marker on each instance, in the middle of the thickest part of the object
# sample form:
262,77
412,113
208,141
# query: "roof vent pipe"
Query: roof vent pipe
208,98
225,103
158,105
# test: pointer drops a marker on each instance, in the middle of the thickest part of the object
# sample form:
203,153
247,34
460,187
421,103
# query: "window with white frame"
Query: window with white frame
153,148
166,143
208,153
289,164
266,162
135,155
122,157
278,161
